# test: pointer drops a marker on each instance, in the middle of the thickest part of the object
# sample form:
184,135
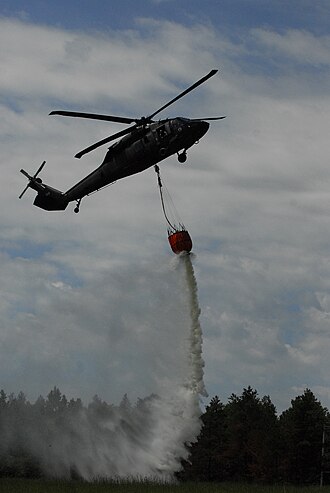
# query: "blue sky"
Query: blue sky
225,14
254,195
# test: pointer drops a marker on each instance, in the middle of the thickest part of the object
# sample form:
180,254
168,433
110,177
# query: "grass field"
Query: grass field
42,486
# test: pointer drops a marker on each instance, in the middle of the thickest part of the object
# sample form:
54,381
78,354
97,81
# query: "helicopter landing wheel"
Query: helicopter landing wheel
77,208
182,158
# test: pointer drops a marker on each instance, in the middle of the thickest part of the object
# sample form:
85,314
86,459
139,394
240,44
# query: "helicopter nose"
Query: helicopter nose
199,128
204,126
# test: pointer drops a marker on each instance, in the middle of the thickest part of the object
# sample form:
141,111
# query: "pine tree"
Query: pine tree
206,454
251,436
301,431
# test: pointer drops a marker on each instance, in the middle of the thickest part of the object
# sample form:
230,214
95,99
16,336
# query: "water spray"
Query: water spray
145,441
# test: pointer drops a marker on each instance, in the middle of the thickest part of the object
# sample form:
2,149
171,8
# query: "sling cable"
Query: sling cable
178,237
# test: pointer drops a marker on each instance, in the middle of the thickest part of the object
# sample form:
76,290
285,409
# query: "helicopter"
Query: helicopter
141,145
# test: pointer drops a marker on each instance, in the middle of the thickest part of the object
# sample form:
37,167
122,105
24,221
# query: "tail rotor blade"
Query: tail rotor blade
31,178
25,189
39,169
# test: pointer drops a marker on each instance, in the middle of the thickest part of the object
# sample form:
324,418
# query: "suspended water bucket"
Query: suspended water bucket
180,241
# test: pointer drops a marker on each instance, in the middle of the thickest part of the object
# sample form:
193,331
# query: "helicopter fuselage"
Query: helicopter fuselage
137,151
140,150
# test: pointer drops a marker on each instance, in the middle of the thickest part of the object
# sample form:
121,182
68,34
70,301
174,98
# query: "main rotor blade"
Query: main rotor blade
94,116
105,141
205,119
191,88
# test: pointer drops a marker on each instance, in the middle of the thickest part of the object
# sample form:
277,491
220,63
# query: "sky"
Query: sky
87,299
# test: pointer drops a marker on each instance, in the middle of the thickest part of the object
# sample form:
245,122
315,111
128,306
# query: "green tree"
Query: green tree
301,429
56,403
3,400
251,452
206,454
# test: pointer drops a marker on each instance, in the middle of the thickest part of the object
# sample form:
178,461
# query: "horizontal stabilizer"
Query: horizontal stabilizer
51,201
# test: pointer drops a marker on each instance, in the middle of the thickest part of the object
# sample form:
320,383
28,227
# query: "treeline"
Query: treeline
245,440
242,440
57,437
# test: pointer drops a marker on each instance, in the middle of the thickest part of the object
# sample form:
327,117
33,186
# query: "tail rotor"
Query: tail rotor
33,178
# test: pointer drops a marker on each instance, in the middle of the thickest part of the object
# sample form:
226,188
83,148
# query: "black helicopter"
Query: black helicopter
143,145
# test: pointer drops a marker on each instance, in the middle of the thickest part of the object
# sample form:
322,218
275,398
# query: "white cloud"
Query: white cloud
298,46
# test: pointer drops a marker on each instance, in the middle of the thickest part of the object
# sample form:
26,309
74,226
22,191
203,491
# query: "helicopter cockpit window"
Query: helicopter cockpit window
180,123
161,132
